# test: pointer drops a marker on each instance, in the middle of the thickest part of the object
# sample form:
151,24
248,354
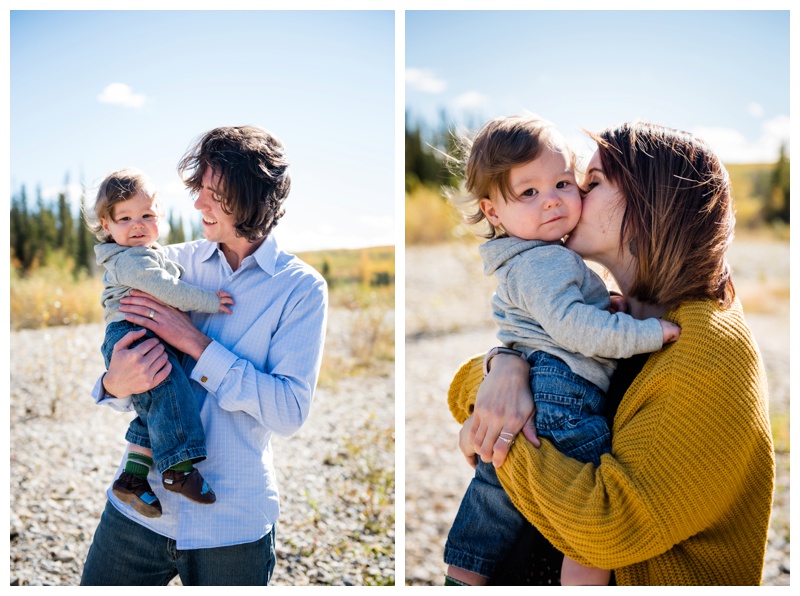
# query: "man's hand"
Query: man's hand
136,370
170,324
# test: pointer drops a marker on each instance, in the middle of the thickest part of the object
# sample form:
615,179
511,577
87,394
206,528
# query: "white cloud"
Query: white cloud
175,187
733,147
424,80
73,192
120,94
777,129
755,109
376,224
470,100
367,231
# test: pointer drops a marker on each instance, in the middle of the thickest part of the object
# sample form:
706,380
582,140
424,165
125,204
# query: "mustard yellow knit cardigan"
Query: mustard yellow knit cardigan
685,496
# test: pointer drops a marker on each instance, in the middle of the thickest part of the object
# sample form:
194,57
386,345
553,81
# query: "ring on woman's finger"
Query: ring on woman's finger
507,437
152,313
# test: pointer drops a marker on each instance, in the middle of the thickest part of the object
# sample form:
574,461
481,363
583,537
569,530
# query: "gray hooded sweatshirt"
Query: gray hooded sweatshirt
148,270
548,299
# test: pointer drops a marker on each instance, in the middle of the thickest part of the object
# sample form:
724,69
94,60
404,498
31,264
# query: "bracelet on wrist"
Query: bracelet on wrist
494,352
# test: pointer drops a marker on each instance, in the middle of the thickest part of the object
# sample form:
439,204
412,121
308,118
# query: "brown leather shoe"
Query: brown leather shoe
138,492
191,485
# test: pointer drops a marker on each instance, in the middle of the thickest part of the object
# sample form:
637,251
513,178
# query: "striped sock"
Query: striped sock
138,464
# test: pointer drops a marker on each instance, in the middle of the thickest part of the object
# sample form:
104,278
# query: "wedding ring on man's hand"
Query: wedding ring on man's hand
151,313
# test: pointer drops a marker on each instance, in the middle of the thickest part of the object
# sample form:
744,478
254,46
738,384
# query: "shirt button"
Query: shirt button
203,379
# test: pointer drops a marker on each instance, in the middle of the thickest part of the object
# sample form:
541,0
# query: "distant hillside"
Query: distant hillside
372,266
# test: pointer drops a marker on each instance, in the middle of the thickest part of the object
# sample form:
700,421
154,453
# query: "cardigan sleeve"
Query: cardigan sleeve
689,437
559,495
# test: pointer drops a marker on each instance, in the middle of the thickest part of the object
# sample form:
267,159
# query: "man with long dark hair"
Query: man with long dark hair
254,374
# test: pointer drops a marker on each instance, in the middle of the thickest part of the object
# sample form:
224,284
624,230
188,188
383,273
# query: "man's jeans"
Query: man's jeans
168,422
123,553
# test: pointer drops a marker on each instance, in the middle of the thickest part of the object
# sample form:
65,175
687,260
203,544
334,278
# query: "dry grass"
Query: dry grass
51,296
359,341
430,219
360,337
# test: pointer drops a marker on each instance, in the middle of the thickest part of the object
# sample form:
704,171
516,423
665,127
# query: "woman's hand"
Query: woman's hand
170,324
465,442
135,370
503,406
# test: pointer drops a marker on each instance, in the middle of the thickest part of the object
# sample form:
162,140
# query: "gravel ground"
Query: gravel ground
336,474
446,294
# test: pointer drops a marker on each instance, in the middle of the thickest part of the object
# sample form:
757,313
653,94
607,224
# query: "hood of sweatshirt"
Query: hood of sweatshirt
497,251
108,250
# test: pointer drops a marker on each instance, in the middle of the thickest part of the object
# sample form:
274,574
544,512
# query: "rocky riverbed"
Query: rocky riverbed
448,319
336,474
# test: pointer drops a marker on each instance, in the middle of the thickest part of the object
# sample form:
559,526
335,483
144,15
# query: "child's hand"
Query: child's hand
618,304
669,331
225,300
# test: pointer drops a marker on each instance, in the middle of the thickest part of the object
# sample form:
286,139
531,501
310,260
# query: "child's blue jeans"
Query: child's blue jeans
568,413
168,420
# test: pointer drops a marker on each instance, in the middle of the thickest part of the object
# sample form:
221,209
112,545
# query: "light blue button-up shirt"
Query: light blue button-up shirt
257,377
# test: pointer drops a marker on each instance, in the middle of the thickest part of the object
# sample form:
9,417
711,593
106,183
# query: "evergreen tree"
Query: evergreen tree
45,229
84,258
21,230
180,235
421,164
65,236
426,152
779,194
176,233
325,271
197,230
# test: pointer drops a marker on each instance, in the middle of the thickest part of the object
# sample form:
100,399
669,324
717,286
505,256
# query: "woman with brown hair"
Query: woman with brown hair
685,495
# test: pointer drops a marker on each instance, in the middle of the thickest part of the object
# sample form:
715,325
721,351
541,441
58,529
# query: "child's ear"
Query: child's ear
104,224
489,211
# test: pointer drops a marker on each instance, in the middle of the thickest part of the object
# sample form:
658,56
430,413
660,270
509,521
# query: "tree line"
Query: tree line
41,230
426,148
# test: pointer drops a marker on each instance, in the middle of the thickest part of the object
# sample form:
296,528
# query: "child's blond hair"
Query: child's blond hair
117,187
501,144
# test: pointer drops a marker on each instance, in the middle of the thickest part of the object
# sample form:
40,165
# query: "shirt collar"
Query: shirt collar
266,255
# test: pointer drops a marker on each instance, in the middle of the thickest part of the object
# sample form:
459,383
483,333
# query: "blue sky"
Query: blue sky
723,75
93,91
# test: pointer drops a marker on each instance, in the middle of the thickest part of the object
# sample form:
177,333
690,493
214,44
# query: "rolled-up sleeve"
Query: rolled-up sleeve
101,398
